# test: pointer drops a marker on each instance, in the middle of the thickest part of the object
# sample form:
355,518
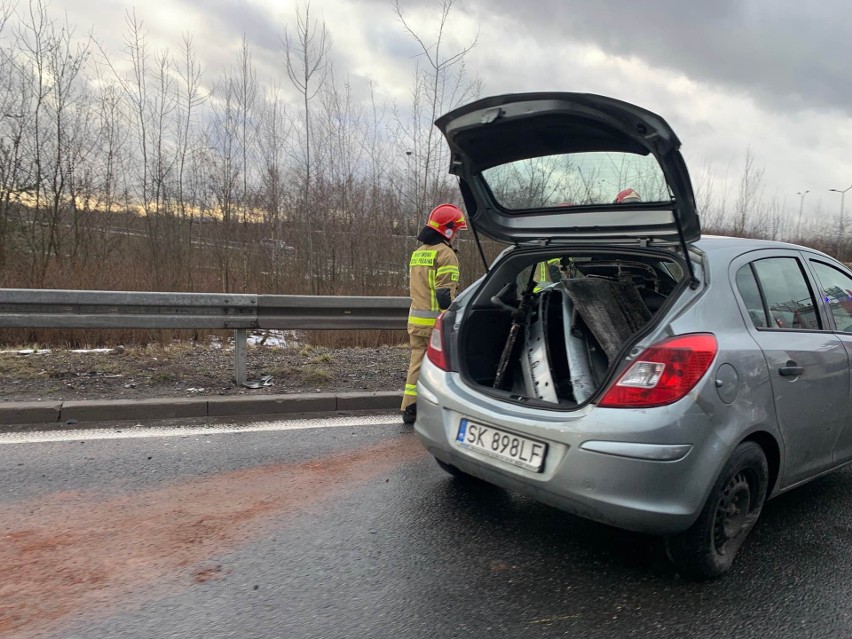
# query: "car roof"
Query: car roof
710,243
726,248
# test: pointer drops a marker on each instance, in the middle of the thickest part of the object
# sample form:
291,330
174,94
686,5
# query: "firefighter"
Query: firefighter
433,282
546,273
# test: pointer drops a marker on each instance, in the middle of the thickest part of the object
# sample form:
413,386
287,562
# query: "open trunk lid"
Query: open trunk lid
570,167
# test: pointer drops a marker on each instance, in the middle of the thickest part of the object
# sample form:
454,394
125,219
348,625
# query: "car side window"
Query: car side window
788,297
837,292
749,291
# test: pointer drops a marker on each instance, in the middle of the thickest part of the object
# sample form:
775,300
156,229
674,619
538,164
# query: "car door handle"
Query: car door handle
791,369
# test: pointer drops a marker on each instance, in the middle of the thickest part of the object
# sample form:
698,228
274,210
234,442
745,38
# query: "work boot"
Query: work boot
409,414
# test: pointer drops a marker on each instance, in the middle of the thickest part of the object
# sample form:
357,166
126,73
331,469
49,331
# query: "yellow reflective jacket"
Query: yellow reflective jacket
542,273
432,267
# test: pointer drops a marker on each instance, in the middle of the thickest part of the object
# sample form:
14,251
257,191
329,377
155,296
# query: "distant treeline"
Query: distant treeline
138,170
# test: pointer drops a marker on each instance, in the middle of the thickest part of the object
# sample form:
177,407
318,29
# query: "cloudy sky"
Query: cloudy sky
769,77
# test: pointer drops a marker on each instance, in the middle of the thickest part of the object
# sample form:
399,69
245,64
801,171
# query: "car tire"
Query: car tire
707,548
455,472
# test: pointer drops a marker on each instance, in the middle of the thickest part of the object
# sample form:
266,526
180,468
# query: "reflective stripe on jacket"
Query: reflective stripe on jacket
432,267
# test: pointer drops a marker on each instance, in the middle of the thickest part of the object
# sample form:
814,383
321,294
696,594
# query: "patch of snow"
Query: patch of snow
92,350
273,338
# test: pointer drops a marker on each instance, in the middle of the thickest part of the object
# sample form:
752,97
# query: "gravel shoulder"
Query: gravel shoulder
194,369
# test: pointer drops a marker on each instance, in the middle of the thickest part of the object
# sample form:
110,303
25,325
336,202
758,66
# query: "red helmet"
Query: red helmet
447,219
627,196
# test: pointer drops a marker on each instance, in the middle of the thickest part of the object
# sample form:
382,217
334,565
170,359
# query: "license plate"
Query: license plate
508,447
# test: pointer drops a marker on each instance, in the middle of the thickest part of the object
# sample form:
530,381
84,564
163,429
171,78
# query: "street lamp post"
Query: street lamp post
839,249
801,195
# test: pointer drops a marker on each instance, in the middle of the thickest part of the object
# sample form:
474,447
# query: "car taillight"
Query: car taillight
435,351
663,373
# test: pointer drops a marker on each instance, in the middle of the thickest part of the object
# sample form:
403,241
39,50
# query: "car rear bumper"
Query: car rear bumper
643,470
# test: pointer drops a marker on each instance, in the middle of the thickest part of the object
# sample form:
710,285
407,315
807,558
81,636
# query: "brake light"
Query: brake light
663,373
435,351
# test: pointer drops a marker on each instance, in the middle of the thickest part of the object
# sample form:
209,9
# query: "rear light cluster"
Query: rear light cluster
435,351
663,373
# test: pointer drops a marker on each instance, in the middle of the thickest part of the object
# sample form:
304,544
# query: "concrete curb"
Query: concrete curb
100,410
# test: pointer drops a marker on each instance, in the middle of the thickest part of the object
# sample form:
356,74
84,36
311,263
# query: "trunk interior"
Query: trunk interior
546,328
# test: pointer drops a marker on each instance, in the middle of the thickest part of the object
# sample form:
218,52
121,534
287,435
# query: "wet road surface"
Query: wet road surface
354,531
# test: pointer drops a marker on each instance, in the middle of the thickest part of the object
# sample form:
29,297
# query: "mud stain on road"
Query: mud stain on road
76,552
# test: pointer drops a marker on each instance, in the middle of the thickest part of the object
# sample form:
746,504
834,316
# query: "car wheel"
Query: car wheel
452,470
707,549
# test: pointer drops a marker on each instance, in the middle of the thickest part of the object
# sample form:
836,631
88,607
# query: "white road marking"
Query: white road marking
139,431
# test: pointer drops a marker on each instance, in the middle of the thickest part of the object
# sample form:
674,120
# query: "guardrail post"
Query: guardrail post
240,355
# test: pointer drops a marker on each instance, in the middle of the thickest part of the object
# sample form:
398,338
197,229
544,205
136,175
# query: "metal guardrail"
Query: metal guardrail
332,312
51,308
54,308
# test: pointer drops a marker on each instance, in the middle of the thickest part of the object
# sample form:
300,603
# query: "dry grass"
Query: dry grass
164,377
306,350
103,338
20,366
281,370
318,376
356,339
162,363
189,369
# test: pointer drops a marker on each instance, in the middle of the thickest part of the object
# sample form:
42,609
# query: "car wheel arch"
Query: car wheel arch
707,549
772,451
769,444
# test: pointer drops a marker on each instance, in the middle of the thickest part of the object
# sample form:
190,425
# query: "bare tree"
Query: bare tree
109,168
15,180
272,140
774,219
705,184
224,176
749,198
246,97
192,98
232,143
152,94
306,58
52,60
188,153
440,84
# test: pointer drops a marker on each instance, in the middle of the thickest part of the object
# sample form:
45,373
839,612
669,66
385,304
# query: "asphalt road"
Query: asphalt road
304,531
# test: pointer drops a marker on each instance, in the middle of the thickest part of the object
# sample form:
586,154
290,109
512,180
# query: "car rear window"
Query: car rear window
578,179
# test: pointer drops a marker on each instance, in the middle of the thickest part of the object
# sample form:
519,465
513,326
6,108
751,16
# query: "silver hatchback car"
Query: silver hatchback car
612,362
